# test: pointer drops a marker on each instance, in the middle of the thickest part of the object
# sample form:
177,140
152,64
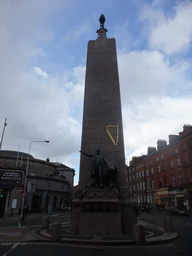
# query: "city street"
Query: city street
181,246
36,219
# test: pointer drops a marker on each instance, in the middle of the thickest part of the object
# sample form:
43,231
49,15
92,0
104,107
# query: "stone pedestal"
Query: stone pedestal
96,212
100,212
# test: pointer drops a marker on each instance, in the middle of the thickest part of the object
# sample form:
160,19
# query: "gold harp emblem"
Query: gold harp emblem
113,132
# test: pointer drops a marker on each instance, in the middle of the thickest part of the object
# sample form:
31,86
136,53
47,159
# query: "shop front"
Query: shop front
11,185
162,198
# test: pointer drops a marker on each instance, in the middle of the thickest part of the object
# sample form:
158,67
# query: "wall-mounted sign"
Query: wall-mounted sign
11,176
14,203
6,186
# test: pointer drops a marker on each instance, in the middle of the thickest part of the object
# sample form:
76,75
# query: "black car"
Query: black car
178,212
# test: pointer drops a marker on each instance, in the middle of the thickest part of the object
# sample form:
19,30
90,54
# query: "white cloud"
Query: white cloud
153,120
170,34
149,73
40,72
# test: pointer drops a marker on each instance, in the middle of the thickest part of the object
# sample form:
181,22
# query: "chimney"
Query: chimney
161,144
173,139
151,150
186,127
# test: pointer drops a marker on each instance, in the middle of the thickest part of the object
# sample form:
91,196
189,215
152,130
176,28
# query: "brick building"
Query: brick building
164,175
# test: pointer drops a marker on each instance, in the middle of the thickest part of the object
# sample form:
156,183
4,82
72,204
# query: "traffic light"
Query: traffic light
2,193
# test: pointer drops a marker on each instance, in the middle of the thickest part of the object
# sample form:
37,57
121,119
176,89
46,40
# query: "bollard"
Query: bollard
45,222
56,231
139,234
168,225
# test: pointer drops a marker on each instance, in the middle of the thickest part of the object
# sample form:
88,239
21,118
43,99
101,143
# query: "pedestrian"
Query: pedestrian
1,212
149,207
25,212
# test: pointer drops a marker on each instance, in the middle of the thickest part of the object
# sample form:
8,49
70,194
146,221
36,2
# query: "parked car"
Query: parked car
178,212
144,207
141,207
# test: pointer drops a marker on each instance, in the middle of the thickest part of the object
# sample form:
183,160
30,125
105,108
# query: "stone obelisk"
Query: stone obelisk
102,129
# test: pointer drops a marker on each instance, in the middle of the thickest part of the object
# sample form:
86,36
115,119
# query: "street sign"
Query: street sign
7,175
23,194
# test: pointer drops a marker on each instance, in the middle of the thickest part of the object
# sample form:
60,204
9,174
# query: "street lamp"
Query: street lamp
26,173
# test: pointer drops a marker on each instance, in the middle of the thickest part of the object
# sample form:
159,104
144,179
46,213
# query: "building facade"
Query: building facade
47,186
164,176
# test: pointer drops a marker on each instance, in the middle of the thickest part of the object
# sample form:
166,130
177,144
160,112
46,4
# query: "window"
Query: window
178,161
160,185
130,189
32,174
180,179
129,170
138,186
151,161
172,164
143,174
173,179
176,150
139,174
146,164
129,178
157,159
148,185
158,168
133,187
143,185
152,171
162,157
147,172
165,180
153,184
164,167
133,170
142,165
133,177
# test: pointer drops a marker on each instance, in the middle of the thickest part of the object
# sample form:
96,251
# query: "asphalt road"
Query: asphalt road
55,217
182,246
182,225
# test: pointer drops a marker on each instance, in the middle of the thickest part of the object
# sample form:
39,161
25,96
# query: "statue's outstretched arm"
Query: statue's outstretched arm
85,154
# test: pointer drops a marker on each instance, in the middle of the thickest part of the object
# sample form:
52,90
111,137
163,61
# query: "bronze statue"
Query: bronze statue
103,172
102,21
97,167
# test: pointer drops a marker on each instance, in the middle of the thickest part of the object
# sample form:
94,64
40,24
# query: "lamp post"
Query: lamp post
5,124
26,173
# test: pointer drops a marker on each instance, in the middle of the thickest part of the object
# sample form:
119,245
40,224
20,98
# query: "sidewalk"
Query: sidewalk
153,234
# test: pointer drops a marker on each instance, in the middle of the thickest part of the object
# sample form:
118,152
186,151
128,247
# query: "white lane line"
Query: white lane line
14,246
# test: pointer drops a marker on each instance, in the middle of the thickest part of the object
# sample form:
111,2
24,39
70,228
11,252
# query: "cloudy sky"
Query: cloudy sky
42,71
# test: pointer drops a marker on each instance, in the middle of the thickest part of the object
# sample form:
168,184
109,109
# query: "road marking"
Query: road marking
14,246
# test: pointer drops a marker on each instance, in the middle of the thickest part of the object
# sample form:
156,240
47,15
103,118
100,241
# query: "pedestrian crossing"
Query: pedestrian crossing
11,233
